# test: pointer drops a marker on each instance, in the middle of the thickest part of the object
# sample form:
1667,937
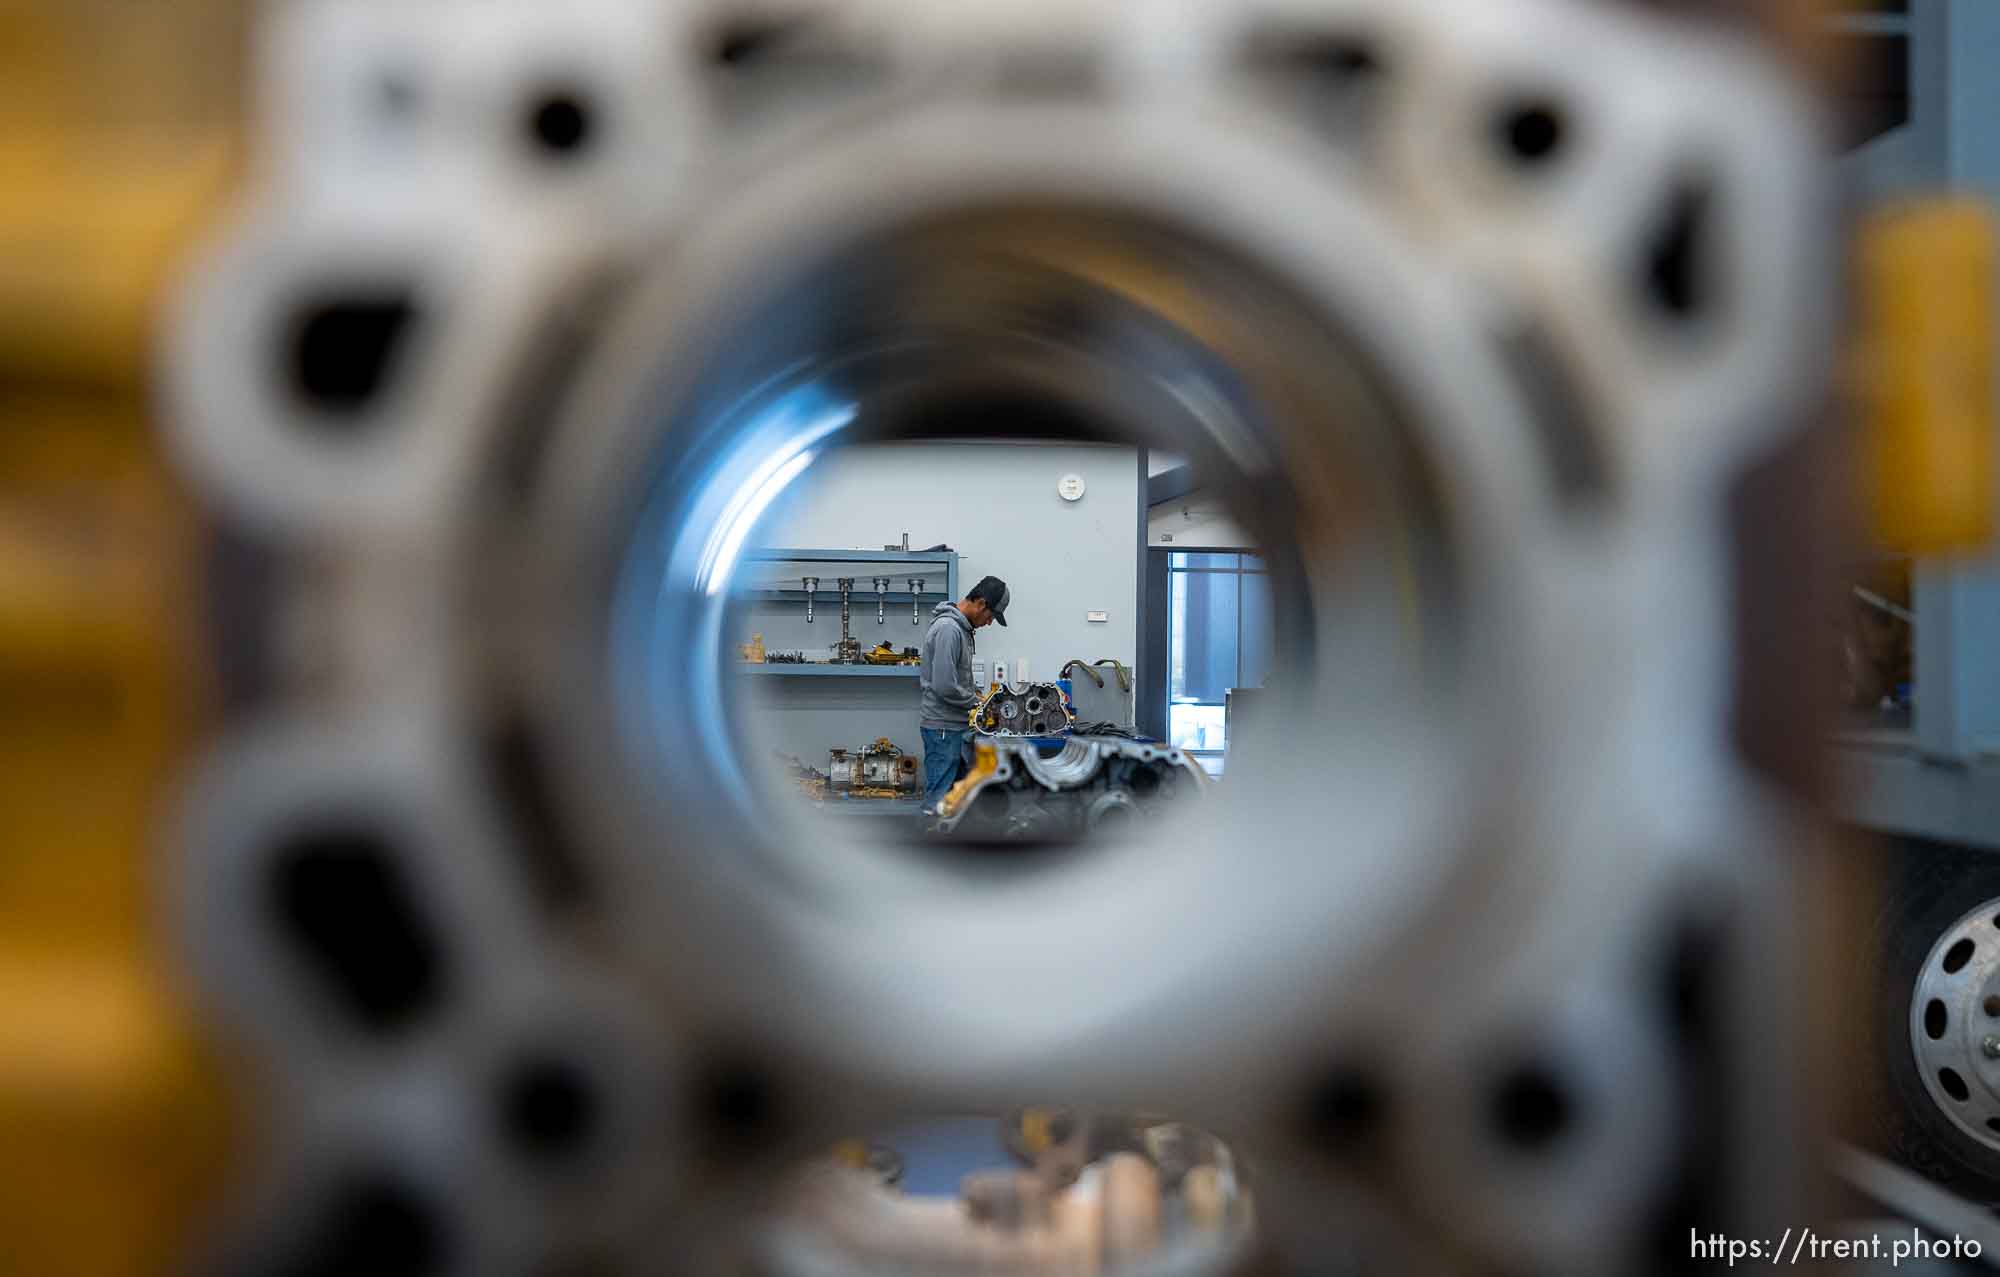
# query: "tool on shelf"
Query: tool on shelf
916,605
881,599
811,584
848,650
886,653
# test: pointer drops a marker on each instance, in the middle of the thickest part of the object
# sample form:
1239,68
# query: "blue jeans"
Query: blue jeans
944,762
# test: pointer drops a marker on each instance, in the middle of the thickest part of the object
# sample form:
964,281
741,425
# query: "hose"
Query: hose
1124,671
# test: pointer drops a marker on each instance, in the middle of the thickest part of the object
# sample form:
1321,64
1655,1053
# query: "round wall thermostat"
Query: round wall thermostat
1070,487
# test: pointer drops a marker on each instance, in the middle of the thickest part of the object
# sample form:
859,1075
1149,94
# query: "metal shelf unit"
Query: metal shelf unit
822,670
1940,778
898,565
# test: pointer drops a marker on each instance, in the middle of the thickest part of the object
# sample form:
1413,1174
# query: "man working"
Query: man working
948,693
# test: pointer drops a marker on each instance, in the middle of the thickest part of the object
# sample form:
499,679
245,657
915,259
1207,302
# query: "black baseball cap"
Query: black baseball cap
992,591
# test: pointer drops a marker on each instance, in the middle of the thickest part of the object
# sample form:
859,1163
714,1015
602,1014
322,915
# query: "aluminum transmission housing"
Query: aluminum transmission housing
1477,310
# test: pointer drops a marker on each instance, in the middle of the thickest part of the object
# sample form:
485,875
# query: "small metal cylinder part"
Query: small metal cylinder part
916,605
811,584
846,596
881,599
842,770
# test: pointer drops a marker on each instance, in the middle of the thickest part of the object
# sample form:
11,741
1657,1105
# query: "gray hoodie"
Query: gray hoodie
947,682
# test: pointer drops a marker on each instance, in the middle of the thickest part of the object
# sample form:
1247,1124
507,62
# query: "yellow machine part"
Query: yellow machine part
985,761
1925,368
117,138
1037,1129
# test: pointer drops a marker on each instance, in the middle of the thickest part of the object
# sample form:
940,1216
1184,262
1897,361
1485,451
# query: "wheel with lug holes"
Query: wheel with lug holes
1933,1094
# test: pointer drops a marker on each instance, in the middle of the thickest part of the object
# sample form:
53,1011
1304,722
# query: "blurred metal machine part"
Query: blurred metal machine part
1478,309
880,765
118,140
1092,785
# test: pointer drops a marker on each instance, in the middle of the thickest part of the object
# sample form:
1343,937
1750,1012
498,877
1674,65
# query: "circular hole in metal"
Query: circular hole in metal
344,905
831,361
1222,596
1991,1005
840,344
561,122
549,1108
344,351
374,1221
1532,1109
997,336
1345,1108
1936,1019
1958,955
1530,131
1953,1085
737,1102
1678,277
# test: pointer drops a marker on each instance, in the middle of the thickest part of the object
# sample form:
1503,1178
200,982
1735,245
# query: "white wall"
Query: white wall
996,504
1196,520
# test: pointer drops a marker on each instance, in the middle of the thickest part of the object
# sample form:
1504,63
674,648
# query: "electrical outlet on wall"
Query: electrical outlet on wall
1097,616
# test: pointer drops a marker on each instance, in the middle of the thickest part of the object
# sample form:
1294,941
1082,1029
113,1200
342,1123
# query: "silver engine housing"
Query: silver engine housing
1092,785
1452,881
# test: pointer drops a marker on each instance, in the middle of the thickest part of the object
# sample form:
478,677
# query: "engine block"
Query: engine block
1479,312
1092,785
1023,709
